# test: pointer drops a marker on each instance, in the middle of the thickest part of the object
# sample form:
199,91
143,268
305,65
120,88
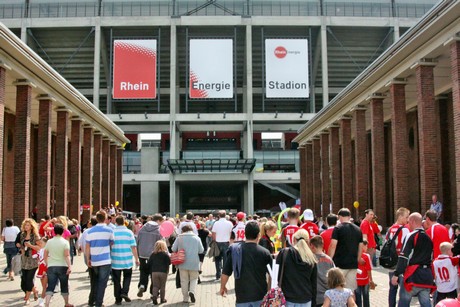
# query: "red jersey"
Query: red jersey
362,276
327,235
288,233
366,229
311,228
401,236
438,234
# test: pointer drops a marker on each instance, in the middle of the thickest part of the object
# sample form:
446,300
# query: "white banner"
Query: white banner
211,68
286,68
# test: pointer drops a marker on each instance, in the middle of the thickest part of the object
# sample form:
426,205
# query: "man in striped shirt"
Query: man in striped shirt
123,250
98,242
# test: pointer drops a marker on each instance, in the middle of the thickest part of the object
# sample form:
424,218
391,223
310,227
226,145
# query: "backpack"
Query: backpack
388,255
275,296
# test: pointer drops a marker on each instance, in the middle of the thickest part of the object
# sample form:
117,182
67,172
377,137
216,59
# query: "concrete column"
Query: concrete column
361,160
97,64
455,69
336,186
249,106
87,172
324,64
120,176
303,175
75,169
2,132
399,142
250,194
22,151
97,172
62,153
113,173
150,196
308,176
325,176
428,131
173,69
172,196
44,156
105,169
316,175
347,166
378,158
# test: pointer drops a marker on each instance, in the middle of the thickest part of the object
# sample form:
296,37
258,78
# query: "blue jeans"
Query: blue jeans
392,292
249,304
362,296
423,295
99,278
55,274
223,247
289,304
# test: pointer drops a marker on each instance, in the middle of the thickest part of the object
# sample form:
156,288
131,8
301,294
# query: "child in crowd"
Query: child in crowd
337,295
42,268
445,269
364,279
291,228
159,267
324,264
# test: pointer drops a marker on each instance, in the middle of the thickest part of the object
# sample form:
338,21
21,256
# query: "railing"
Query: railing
88,8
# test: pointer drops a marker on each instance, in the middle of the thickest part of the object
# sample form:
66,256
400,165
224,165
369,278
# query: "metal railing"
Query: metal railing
217,8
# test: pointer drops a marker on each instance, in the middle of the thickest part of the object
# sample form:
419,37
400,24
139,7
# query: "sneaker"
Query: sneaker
141,291
163,301
26,302
126,298
41,303
154,301
192,297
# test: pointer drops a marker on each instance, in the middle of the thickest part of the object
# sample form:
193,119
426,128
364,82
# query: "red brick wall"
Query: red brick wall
316,177
97,173
455,72
120,175
105,168
308,176
347,171
113,174
336,180
44,158
360,153
75,170
62,155
325,175
8,167
2,130
87,171
413,168
303,176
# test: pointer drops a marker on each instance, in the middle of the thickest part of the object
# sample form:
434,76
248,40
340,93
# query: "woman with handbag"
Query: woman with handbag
26,242
9,234
299,273
188,244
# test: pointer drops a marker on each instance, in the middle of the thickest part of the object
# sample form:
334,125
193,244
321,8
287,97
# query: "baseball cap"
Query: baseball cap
308,215
240,216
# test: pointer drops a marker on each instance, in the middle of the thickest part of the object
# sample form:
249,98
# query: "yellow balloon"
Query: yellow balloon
356,204
117,203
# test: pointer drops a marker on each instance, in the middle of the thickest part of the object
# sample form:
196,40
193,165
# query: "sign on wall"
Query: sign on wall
286,68
135,69
211,68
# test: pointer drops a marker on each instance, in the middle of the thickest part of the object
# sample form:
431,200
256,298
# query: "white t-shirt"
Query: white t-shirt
10,233
239,231
223,229
445,270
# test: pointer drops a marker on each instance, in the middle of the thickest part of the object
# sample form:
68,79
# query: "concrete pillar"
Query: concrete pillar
62,153
325,176
113,173
97,64
455,69
248,102
336,180
120,176
150,157
97,172
361,160
22,151
378,158
87,172
399,142
428,131
347,165
250,195
308,176
105,169
2,132
44,156
316,175
303,175
75,170
324,64
172,195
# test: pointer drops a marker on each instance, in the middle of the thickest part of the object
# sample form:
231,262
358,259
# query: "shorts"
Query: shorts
42,269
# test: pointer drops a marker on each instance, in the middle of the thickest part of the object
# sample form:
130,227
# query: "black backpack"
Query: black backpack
388,255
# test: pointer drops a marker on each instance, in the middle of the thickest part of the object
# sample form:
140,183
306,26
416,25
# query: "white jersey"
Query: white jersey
238,230
445,270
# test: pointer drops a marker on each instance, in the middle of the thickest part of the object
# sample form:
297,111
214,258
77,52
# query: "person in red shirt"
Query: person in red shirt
368,231
308,224
364,278
331,221
437,232
291,228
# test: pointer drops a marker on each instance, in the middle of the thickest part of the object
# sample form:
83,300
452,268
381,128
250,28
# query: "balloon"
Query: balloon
356,204
117,203
166,229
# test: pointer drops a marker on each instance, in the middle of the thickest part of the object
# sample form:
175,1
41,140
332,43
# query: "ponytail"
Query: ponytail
302,247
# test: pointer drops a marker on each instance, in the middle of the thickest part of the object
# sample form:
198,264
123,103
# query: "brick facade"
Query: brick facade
325,175
347,163
75,170
316,176
62,153
44,158
378,158
113,174
455,66
87,172
303,176
2,132
105,177
361,162
120,175
97,172
22,208
308,176
336,186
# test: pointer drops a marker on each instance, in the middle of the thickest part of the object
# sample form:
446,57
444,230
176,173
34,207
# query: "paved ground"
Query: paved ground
207,292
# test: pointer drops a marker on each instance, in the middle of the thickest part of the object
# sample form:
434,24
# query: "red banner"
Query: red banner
135,69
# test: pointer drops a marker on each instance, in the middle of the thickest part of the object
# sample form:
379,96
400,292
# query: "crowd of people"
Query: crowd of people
321,262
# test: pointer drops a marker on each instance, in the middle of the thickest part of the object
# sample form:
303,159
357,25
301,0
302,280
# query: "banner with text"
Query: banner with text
286,68
135,69
211,68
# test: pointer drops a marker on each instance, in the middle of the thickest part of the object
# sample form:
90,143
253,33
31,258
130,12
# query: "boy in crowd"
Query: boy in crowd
324,264
445,269
293,225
